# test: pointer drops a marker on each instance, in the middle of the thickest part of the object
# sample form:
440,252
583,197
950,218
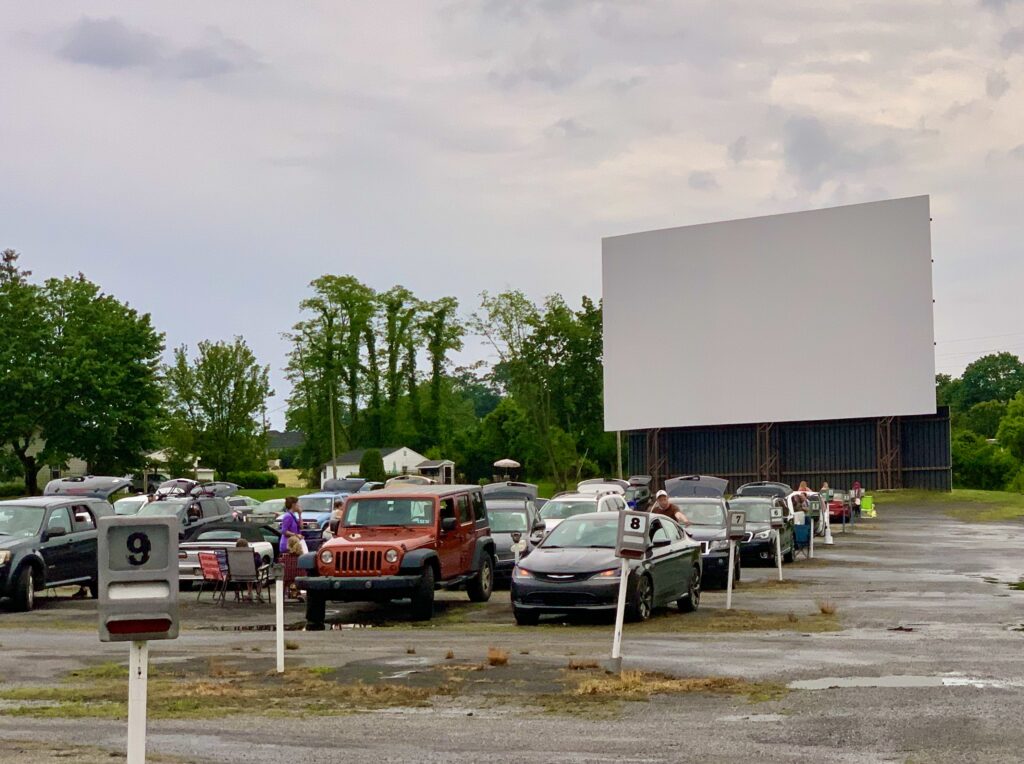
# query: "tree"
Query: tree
220,398
995,377
1011,428
979,464
78,374
371,466
983,418
443,333
947,390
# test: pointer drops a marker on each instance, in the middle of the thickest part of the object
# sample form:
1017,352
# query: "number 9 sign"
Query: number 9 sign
137,548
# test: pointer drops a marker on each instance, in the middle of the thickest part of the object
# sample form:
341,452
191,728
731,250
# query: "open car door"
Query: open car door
696,485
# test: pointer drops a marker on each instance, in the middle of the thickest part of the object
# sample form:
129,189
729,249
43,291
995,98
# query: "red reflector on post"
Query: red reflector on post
142,626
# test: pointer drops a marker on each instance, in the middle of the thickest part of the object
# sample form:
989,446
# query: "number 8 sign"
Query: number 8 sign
631,540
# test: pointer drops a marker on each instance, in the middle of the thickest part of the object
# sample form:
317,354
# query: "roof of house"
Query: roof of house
356,455
434,464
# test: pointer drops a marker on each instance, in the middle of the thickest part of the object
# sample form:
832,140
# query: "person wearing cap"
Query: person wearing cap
664,506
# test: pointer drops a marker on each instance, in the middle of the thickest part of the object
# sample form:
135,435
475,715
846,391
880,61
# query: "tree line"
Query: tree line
986,405
81,376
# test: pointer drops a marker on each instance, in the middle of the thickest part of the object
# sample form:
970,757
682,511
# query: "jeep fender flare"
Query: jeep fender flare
483,546
307,562
413,562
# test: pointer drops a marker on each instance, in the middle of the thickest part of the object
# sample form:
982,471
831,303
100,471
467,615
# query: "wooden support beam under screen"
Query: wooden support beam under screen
887,449
767,454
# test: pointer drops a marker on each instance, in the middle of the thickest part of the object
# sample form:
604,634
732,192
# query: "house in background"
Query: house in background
441,470
398,460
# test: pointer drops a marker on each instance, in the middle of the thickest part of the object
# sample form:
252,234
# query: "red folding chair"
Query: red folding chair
213,573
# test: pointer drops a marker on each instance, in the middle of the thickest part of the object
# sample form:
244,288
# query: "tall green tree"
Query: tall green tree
78,374
994,377
1010,433
443,334
220,397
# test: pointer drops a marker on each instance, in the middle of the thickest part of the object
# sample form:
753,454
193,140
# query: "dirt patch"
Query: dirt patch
33,752
771,585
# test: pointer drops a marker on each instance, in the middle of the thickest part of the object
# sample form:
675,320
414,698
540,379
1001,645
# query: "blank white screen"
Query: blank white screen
824,314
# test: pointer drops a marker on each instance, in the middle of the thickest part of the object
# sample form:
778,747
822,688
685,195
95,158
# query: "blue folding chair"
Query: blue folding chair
802,540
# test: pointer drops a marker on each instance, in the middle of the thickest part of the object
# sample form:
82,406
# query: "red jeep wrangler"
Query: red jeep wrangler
402,542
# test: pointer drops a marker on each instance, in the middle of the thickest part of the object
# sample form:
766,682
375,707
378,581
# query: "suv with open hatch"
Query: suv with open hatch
50,540
403,543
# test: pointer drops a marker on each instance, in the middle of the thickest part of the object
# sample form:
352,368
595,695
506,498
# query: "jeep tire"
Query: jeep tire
482,584
24,597
423,598
316,609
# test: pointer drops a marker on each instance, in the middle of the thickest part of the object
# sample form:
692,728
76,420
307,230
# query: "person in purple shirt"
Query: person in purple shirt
291,525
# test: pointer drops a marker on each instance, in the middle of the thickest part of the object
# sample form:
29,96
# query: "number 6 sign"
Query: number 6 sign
631,540
137,564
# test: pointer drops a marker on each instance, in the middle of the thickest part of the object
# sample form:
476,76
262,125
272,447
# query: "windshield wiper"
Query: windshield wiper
598,546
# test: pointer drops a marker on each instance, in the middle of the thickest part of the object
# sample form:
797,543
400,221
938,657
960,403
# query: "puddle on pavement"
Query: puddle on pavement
753,718
296,626
900,681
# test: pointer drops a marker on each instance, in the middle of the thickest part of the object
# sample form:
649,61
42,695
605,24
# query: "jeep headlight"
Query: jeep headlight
719,544
391,556
5,556
327,557
763,535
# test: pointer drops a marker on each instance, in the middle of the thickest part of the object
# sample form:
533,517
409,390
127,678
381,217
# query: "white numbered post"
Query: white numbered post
736,530
778,553
137,574
778,523
728,588
811,553
138,680
278,573
630,543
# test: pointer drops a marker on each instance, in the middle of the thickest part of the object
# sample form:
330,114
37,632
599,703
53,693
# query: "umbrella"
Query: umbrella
507,464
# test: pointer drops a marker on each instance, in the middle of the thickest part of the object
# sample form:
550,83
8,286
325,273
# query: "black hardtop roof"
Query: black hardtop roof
48,501
418,490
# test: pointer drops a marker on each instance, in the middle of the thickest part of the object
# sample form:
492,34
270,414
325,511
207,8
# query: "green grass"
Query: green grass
262,494
968,505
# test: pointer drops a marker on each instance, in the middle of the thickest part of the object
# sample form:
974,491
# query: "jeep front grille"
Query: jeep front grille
359,561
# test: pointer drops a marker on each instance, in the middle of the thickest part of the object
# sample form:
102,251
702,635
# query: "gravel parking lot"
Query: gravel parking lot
921,662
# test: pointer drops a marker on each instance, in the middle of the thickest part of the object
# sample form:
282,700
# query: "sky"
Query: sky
206,161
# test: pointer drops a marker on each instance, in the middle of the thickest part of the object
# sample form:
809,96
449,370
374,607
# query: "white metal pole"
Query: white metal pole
279,593
728,588
620,611
778,552
812,536
138,677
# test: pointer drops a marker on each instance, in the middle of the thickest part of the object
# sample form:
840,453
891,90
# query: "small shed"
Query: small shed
441,470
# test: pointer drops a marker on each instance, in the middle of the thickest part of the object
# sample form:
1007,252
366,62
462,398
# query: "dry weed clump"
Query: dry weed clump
496,656
575,665
827,607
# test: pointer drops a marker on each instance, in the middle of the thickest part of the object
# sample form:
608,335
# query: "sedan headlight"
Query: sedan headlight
763,535
391,556
719,544
608,574
5,556
327,557
521,574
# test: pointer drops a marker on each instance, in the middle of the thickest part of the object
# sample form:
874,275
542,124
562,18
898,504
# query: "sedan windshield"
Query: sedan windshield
315,503
219,536
585,533
704,513
20,521
161,509
756,511
377,512
507,520
129,506
559,510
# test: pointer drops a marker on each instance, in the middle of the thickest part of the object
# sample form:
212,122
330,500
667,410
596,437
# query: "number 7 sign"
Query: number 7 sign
137,564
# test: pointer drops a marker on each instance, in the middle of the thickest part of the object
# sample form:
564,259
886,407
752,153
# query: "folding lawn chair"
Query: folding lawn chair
802,540
213,573
242,570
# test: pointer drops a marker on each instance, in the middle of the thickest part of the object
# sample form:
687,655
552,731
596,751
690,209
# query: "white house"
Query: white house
398,460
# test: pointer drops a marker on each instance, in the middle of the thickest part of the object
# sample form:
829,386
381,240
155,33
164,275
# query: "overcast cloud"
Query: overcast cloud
206,161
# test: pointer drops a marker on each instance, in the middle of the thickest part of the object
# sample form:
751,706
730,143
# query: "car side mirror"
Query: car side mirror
539,526
537,536
52,533
448,524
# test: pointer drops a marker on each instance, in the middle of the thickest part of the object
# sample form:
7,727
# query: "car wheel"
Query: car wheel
25,589
423,597
691,601
737,572
94,589
790,556
643,600
525,617
483,583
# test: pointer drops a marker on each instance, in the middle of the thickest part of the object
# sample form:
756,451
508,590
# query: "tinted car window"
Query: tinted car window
83,519
59,518
20,521
560,510
219,536
447,508
465,515
658,533
589,533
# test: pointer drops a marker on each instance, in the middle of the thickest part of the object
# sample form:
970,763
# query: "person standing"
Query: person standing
291,541
664,506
